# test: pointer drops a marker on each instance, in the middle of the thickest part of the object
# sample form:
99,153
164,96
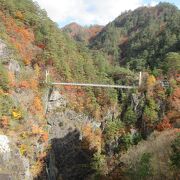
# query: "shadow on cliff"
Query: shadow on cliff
67,159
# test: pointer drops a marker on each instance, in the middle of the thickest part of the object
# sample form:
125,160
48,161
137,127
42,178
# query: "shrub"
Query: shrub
24,84
16,114
130,117
165,124
127,141
23,149
6,105
137,138
91,138
151,80
99,164
37,104
4,81
4,121
113,129
150,114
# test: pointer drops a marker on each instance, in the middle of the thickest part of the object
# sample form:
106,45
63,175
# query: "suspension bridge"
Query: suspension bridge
93,85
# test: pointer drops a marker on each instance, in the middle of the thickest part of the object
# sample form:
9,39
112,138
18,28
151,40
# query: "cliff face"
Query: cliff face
67,158
13,164
22,134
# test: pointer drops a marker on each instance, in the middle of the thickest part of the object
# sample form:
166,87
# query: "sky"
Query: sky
89,12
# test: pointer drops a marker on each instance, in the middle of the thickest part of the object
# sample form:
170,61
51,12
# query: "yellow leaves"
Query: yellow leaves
24,135
16,114
37,70
151,80
37,130
37,168
23,149
19,15
26,61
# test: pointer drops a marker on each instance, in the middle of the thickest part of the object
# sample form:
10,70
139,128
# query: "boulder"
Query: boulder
55,96
56,101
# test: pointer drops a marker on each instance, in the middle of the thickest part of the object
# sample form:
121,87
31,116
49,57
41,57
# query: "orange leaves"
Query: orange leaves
24,85
5,121
36,130
92,138
45,136
33,84
165,124
37,168
11,78
37,104
21,37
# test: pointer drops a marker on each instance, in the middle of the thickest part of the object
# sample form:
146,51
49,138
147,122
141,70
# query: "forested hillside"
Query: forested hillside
38,41
67,132
141,39
80,33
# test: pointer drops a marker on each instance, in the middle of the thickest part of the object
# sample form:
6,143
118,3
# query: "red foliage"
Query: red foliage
42,46
165,124
20,37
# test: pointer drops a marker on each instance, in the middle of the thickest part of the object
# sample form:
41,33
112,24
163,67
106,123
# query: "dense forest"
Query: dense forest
141,39
89,133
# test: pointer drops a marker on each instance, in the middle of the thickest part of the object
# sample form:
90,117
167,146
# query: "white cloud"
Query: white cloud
152,3
87,11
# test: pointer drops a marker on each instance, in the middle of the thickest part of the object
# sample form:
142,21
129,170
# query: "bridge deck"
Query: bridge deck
95,85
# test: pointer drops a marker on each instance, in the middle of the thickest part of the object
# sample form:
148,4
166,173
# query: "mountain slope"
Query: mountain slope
39,42
141,38
54,132
80,33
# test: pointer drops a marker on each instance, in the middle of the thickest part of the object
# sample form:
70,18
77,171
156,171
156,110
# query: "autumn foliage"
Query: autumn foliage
37,104
165,124
92,138
20,36
151,80
4,121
